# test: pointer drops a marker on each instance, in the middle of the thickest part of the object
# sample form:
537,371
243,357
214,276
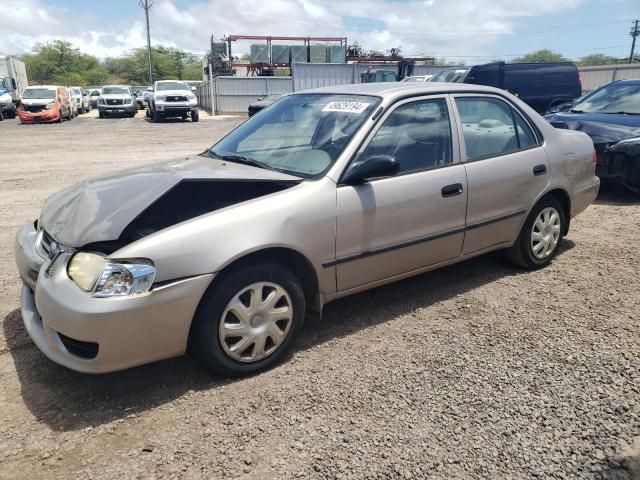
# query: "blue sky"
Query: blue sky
471,30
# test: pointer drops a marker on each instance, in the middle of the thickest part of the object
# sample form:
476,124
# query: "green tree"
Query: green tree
166,63
544,55
60,63
599,59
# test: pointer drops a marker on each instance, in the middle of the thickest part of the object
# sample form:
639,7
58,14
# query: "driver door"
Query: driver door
395,225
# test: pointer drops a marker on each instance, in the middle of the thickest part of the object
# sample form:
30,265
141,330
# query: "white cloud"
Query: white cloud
440,27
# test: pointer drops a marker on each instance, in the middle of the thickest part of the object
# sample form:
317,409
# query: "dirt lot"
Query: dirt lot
474,371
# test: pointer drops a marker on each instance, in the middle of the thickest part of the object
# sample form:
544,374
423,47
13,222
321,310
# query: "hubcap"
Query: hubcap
256,322
545,233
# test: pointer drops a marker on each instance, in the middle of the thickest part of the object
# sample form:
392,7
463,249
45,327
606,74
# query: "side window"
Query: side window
417,135
489,127
525,134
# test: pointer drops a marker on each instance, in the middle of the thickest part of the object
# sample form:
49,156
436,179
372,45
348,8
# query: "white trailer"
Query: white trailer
13,76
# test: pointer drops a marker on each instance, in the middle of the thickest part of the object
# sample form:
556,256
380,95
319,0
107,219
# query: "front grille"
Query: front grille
86,350
33,108
47,246
114,101
175,98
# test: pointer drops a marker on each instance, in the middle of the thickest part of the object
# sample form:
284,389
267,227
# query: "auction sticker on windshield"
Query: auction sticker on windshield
346,107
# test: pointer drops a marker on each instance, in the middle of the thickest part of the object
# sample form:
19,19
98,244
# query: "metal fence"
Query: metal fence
234,94
314,75
594,77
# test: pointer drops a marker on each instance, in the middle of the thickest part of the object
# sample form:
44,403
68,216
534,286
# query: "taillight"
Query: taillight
594,157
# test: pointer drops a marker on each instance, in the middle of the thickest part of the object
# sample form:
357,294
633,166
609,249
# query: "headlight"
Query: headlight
101,100
49,105
127,101
105,277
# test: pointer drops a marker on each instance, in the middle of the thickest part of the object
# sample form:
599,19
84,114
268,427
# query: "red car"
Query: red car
44,104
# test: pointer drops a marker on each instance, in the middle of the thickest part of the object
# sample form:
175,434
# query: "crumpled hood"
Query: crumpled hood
603,128
99,209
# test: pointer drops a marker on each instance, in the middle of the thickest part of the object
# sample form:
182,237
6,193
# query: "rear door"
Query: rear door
394,225
506,168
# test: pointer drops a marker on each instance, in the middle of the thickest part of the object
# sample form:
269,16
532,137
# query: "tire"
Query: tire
59,119
147,114
69,114
522,252
13,113
195,116
155,116
1,115
206,337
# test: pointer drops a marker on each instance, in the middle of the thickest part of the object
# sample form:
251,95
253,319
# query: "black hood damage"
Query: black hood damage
129,205
189,199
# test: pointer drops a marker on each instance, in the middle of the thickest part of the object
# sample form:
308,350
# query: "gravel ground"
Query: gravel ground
473,371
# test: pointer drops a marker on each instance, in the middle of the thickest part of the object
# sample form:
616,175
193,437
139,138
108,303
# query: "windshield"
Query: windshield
115,90
612,98
45,93
172,86
300,134
453,75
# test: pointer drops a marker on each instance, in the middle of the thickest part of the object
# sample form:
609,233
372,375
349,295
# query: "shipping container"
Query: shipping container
318,54
280,53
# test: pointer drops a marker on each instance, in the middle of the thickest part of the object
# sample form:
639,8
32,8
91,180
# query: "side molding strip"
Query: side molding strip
419,240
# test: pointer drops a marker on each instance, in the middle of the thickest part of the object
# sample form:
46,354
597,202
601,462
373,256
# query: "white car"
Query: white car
417,78
172,98
76,100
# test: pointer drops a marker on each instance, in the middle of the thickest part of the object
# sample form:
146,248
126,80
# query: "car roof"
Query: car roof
399,89
50,87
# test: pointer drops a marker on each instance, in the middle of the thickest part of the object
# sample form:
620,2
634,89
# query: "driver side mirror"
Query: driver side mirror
371,167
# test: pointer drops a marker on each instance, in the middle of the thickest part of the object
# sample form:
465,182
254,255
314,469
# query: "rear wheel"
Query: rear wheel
540,236
249,319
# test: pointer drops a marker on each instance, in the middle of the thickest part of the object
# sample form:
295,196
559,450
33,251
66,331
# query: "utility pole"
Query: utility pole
147,4
634,33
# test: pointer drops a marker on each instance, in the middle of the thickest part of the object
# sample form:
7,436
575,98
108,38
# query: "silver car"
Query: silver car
326,193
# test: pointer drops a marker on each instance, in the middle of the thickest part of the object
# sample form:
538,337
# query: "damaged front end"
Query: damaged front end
620,161
187,200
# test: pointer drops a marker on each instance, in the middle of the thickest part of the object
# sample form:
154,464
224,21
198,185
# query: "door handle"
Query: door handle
452,190
539,170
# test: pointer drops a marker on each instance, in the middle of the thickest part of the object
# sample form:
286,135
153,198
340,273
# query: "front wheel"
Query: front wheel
541,235
248,319
195,116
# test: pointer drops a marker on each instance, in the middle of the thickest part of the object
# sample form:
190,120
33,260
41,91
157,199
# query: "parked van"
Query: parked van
45,103
541,85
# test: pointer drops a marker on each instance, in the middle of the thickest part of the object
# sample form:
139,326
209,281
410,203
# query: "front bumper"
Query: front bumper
129,108
171,108
44,116
123,331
